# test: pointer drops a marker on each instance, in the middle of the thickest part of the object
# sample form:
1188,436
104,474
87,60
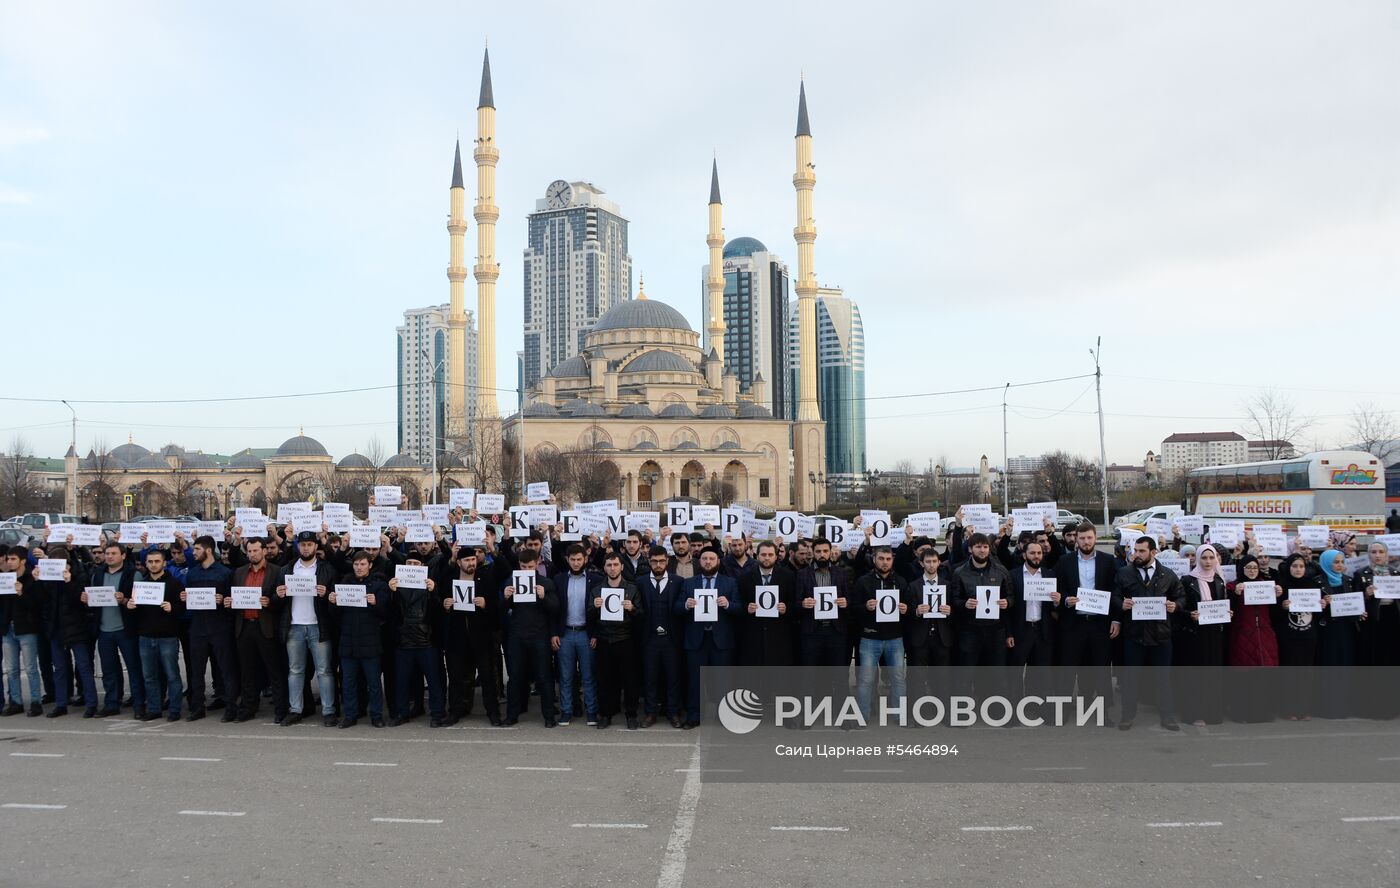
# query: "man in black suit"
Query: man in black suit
768,641
1085,639
1147,642
707,642
661,656
1031,635
930,641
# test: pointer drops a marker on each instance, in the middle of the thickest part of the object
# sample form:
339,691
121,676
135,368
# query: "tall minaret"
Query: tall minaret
714,284
809,432
456,375
487,269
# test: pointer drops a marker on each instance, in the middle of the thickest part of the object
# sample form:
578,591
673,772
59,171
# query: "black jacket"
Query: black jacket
962,588
155,622
25,610
612,630
66,617
807,582
769,641
357,629
1105,580
866,588
268,618
1164,584
920,630
532,620
656,606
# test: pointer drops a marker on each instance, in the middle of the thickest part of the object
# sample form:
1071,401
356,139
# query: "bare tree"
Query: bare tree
101,470
1060,476
594,476
18,486
374,452
718,492
1273,419
552,466
1374,431
179,486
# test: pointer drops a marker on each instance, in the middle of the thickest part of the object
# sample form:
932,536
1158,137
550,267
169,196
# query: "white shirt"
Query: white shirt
303,607
1032,607
1088,570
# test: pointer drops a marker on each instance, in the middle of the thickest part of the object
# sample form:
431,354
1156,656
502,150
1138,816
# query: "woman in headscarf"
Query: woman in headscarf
1296,632
1201,649
1338,641
1380,634
1253,648
1343,541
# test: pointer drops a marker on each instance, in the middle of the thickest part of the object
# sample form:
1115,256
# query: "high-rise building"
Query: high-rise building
756,318
427,376
576,268
840,363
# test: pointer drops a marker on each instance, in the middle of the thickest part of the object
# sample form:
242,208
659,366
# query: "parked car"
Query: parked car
11,535
1064,518
1129,517
37,521
1140,521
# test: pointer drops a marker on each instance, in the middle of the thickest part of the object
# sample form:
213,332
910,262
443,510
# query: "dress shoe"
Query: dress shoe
348,722
230,714
690,725
105,713
173,717
246,716
195,716
437,723
550,723
376,722
1125,725
329,721
279,719
632,723
35,710
397,721
139,713
12,709
58,712
290,719
495,720
46,699
603,722
648,720
676,721
216,703
511,722
1171,726
150,716
89,713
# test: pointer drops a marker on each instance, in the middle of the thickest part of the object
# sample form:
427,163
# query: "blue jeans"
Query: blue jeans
25,648
351,668
874,653
162,656
573,648
82,661
108,646
299,638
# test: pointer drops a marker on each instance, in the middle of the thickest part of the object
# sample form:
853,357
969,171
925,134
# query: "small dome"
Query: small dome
636,411
301,446
246,461
172,450
355,461
570,406
574,368
641,313
729,445
602,445
754,411
659,361
686,445
540,408
127,454
402,461
197,461
589,410
450,461
717,411
150,461
645,445
744,246
676,411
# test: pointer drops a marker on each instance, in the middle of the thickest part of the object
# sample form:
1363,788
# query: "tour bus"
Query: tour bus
1339,488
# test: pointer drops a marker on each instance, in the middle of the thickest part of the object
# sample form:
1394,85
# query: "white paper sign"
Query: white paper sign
51,568
1305,601
91,534
461,497
1149,608
925,523
1314,536
338,522
523,582
403,516
1025,521
785,526
593,525
130,534
333,508
58,533
835,531
1040,588
1228,572
418,532
537,491
1046,511
611,611
702,515
757,529
883,532
731,522
1354,563
1190,525
490,503
160,531
1271,540
1174,562
437,513
1227,532
568,532
473,534
678,517
148,593
706,605
97,596
1212,613
824,604
199,598
301,586
388,495
519,521
1091,601
643,522
363,536
213,529
1260,592
253,528
288,512
246,597
411,575
887,605
7,583
1348,604
806,527
351,595
766,600
1159,528
464,595
383,516
1387,586
935,596
1391,541
987,602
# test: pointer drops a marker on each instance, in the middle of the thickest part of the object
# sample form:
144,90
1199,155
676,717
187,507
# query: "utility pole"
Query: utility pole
1005,461
1096,351
75,424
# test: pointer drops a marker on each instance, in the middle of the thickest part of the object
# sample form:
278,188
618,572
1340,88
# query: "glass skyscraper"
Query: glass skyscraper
840,381
755,319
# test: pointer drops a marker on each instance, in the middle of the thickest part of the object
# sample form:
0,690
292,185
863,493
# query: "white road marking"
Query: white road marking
1239,764
1065,768
33,807
297,737
1389,758
672,873
709,770
1382,819
183,758
369,764
809,829
1176,824
533,768
872,770
215,813
38,755
998,828
608,825
402,820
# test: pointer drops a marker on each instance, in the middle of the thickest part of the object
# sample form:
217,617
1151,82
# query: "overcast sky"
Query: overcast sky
214,201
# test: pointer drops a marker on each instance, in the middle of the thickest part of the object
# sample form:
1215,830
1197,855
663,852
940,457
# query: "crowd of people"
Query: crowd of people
623,627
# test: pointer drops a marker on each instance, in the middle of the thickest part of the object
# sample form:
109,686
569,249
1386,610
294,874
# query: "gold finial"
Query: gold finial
301,431
130,439
641,286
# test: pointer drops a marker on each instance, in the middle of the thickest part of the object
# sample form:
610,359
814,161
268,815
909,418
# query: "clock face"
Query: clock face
558,194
